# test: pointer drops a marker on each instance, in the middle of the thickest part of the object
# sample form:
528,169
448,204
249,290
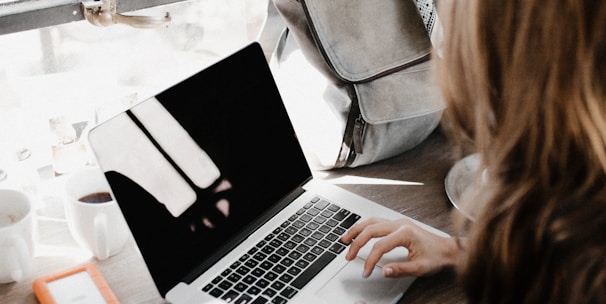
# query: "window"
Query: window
58,81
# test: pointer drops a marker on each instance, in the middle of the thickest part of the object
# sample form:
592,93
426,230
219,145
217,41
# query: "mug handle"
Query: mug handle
19,252
101,231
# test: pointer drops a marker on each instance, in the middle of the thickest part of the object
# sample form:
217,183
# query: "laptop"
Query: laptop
221,202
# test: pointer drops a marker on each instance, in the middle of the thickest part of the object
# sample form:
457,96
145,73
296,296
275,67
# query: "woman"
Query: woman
525,84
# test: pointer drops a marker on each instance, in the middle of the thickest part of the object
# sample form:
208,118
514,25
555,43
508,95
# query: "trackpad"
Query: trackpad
348,286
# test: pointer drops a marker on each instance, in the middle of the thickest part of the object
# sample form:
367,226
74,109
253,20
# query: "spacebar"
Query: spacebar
312,270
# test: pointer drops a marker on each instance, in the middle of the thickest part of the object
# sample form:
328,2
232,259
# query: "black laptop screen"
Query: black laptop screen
234,113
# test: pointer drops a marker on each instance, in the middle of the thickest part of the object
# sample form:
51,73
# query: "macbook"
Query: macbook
221,202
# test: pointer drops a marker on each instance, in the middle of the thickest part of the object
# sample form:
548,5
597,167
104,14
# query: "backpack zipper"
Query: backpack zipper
358,134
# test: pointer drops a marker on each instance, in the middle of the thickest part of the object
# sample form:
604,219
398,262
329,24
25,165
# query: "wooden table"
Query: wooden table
424,199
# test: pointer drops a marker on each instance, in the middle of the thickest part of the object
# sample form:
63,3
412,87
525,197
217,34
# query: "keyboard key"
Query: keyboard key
270,292
230,296
302,248
258,272
313,212
332,237
244,257
268,249
249,279
216,292
274,258
276,243
317,235
297,238
243,270
262,283
286,278
310,242
266,265
259,256
270,276
309,257
350,221
320,219
279,300
295,255
279,269
333,208
302,264
317,250
254,290
339,216
304,232
277,285
207,287
251,263
338,230
244,299
287,262
259,300
234,277
325,228
288,292
321,204
312,226
294,271
337,248
305,217
241,287
225,285
324,243
332,223
327,213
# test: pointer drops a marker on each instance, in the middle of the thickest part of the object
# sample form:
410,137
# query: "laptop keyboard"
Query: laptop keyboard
280,265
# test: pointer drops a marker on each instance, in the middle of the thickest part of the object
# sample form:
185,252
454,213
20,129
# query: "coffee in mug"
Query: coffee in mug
93,216
97,197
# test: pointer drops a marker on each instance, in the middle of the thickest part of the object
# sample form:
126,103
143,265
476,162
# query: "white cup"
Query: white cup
16,235
98,226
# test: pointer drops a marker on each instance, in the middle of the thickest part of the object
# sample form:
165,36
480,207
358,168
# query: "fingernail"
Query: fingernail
388,271
366,274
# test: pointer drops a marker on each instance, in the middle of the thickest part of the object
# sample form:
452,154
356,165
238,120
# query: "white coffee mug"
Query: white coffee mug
16,235
97,222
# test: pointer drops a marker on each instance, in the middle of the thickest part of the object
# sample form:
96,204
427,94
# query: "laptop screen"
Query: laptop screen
192,167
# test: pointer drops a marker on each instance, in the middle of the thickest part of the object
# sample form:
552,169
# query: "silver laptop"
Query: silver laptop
221,202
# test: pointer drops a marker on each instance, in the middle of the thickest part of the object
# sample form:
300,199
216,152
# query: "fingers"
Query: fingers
357,228
399,235
361,233
428,253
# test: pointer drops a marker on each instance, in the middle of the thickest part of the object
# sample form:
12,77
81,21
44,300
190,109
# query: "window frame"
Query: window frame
17,16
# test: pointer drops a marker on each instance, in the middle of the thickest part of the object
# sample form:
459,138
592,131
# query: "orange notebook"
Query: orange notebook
80,284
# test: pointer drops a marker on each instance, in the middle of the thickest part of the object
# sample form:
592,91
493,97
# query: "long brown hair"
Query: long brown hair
525,86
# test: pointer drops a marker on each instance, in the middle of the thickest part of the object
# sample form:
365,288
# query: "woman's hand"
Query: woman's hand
428,253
